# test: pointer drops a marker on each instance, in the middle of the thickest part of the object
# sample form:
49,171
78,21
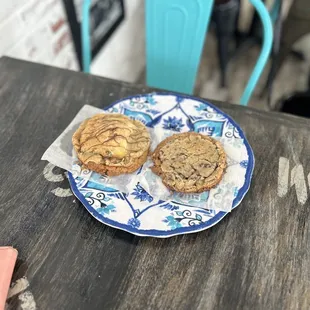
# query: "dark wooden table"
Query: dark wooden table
258,257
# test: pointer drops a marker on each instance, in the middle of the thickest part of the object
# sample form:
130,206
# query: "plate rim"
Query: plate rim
180,230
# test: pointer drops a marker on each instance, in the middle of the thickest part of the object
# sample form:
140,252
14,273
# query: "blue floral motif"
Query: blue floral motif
152,111
209,127
244,164
173,123
150,99
200,107
179,99
196,118
198,217
178,214
191,217
141,116
134,222
142,102
140,193
172,222
106,210
236,191
169,206
117,195
96,198
232,132
137,212
207,212
113,110
137,105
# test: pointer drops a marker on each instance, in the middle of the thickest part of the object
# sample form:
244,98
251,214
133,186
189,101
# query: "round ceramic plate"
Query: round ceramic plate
139,212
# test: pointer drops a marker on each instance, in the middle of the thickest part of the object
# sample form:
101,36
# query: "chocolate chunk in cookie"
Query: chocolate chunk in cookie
189,162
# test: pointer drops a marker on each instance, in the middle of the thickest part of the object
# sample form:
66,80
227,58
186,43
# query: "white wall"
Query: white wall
26,32
123,58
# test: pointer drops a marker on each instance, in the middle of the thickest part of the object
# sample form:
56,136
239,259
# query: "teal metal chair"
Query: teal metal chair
175,33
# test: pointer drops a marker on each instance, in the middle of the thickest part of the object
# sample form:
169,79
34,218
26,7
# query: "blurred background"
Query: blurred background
47,31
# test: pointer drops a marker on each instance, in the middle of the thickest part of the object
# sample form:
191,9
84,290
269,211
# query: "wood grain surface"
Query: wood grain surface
258,257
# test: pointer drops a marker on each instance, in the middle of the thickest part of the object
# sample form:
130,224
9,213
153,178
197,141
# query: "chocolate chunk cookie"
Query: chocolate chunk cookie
111,144
189,162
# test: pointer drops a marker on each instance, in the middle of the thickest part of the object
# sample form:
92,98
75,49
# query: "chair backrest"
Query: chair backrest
265,52
86,44
175,32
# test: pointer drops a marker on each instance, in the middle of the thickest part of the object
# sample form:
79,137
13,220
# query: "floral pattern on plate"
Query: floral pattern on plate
142,214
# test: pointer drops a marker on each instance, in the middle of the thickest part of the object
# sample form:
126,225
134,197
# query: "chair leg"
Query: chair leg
237,34
86,50
223,53
224,16
276,15
265,52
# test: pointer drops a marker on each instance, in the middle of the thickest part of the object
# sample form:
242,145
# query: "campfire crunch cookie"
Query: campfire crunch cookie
189,162
111,144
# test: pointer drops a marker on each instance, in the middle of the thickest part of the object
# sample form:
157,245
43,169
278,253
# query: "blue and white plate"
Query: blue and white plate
139,212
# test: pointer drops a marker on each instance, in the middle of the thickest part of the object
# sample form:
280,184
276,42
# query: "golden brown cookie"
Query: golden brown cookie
111,144
189,162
